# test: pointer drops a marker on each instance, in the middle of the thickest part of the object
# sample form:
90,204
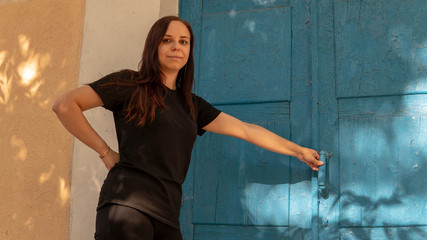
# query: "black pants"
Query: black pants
126,223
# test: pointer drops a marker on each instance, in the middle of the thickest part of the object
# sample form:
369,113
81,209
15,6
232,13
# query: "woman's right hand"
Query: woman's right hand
111,159
310,157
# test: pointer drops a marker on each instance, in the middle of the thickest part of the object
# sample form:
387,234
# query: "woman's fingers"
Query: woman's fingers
111,159
311,157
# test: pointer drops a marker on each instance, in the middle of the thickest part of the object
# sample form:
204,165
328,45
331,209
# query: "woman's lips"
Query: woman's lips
176,57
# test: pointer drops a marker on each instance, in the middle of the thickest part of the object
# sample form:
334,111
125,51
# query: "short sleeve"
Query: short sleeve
113,96
206,113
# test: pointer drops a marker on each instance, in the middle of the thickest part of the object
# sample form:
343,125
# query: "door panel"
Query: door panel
382,117
241,47
380,47
383,152
238,183
244,53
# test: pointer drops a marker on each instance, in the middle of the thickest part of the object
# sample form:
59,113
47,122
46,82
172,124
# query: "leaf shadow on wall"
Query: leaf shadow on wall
33,70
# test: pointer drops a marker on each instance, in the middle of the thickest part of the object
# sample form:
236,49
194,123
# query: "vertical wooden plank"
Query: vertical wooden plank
186,215
300,191
328,118
190,10
315,118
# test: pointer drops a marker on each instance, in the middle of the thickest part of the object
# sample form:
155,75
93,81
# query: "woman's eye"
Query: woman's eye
167,40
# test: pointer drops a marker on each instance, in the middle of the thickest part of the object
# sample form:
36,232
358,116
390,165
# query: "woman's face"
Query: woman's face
175,47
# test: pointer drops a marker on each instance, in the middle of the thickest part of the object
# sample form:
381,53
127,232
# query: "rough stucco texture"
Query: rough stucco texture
40,43
113,39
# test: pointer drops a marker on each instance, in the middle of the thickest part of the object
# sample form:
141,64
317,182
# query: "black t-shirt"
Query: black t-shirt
154,158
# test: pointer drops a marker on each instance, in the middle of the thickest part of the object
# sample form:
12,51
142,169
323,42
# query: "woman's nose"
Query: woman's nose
175,45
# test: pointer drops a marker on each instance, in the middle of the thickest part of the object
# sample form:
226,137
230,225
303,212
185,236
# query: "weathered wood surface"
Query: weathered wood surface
346,76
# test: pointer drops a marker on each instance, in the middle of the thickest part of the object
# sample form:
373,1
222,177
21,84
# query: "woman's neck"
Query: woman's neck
170,80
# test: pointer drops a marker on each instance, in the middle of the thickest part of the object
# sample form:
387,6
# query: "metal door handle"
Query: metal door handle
323,174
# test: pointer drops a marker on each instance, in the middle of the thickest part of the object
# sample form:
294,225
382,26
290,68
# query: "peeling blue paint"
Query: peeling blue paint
347,76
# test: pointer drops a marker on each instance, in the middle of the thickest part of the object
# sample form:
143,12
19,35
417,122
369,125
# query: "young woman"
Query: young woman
157,120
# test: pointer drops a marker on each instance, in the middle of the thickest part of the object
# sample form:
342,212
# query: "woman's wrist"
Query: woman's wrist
105,152
99,146
298,151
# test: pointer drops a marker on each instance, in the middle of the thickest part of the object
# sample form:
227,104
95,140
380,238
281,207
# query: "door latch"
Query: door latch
323,174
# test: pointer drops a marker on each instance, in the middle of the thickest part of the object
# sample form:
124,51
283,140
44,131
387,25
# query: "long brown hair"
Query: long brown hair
150,90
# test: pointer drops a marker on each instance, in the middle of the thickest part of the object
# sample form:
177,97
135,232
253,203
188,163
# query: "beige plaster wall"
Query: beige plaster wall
40,44
168,7
113,39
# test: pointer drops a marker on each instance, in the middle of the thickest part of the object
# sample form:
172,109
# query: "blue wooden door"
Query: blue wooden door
346,76
372,76
248,67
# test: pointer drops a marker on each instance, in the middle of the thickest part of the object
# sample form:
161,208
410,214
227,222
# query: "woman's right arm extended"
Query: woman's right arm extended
69,109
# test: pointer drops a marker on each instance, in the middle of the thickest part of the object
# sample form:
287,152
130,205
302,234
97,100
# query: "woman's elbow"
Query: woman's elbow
57,106
61,106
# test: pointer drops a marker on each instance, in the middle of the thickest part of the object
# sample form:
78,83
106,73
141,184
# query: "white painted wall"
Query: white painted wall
113,39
